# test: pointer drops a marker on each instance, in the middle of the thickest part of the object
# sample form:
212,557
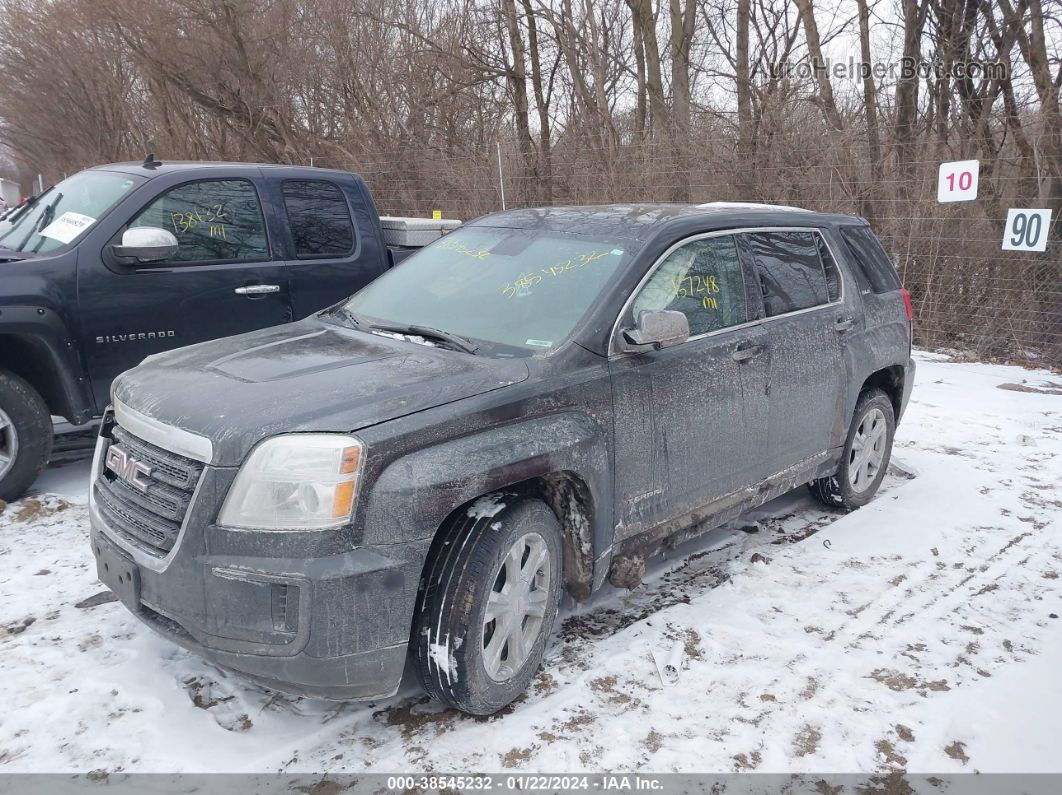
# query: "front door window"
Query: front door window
213,220
701,279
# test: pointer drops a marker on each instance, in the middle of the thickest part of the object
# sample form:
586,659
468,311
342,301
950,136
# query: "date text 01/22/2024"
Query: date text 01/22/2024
531,782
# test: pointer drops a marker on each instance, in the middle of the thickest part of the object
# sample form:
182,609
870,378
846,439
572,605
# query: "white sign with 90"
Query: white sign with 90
957,181
1026,230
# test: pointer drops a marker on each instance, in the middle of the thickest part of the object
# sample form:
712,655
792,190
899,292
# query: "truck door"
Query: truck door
690,419
331,236
223,280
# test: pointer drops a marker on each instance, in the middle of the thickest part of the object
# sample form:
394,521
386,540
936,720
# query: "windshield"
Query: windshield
518,288
64,212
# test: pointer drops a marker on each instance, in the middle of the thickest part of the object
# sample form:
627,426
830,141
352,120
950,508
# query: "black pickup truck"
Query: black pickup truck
126,260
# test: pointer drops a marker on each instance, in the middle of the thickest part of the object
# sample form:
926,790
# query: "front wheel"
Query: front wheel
25,436
867,451
488,605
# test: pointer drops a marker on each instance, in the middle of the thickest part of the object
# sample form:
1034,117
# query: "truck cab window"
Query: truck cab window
213,220
703,281
790,271
319,218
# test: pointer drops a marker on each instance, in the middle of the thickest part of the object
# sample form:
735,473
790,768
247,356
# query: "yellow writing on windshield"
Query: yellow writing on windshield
523,285
461,248
573,263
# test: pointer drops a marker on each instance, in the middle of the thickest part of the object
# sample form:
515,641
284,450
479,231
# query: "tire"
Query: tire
25,436
858,477
452,636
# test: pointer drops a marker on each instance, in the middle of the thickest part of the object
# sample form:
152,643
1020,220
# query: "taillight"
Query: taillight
907,303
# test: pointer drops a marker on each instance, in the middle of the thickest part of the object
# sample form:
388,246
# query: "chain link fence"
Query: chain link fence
968,294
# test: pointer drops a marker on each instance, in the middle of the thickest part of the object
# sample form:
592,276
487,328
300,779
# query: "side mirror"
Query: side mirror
660,329
146,244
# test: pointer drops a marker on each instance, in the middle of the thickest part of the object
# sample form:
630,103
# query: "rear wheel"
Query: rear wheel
867,451
488,605
25,436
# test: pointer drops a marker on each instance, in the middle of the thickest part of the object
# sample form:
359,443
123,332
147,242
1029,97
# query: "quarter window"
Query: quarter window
319,218
790,271
213,220
870,258
701,279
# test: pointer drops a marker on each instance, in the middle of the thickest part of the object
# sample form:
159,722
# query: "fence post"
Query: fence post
501,177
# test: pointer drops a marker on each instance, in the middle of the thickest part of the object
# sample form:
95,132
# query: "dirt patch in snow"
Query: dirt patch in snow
1045,388
889,754
957,750
807,741
33,509
18,627
897,680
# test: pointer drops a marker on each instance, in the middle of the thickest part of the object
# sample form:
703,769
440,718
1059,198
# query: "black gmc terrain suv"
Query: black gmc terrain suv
533,404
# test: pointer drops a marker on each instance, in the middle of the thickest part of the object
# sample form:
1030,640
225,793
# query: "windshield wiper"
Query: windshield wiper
49,212
456,340
10,255
43,221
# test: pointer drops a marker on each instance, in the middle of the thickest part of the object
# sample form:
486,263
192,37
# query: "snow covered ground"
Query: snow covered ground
920,632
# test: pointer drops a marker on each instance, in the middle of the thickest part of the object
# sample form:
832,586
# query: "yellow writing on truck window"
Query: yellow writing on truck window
216,216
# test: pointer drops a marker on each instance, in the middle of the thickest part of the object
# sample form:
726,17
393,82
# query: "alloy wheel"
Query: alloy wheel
868,450
516,607
8,443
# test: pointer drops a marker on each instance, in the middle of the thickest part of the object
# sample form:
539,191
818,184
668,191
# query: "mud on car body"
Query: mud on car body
527,407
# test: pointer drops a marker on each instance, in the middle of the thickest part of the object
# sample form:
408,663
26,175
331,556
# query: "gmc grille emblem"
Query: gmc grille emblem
131,470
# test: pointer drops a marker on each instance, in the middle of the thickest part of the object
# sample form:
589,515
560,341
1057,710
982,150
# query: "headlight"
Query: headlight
296,482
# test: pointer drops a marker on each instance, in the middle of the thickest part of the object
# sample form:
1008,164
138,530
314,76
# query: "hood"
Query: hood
305,376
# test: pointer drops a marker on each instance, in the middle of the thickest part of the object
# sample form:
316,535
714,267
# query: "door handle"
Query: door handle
842,323
744,354
258,289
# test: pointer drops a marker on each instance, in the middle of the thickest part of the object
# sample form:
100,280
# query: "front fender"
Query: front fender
413,495
45,355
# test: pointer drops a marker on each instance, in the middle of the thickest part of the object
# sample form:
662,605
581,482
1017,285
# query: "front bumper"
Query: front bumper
285,609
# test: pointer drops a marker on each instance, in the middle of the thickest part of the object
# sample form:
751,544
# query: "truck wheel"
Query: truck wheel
867,451
487,606
25,436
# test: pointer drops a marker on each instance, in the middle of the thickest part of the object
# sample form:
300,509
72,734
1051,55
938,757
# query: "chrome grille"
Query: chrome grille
152,518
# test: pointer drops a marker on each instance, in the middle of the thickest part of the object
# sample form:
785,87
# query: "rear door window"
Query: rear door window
870,258
213,220
319,218
790,270
703,281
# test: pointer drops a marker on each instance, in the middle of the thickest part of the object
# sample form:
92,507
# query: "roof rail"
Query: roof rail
750,206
